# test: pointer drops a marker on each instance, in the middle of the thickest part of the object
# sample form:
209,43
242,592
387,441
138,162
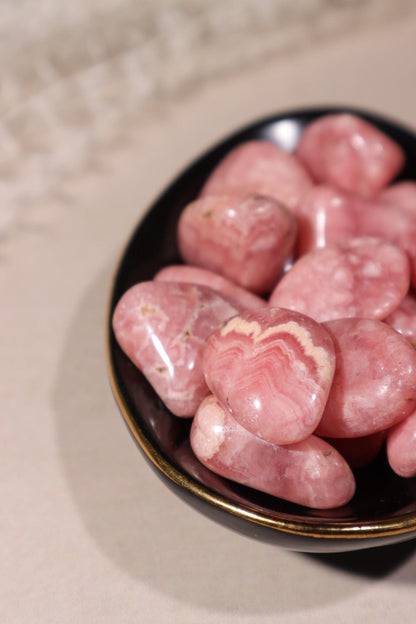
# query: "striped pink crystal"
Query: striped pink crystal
272,369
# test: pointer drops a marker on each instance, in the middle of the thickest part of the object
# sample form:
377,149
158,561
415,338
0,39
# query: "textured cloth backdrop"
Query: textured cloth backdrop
74,75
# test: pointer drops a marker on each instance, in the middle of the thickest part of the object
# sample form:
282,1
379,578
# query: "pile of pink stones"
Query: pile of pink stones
289,333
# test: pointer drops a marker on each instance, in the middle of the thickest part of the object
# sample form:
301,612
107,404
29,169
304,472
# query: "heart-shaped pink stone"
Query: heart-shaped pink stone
272,369
246,238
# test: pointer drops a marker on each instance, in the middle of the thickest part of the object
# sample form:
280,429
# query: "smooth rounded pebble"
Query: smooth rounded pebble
162,327
310,473
374,384
363,277
348,152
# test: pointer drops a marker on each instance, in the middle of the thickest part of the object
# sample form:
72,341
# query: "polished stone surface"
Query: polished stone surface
374,385
310,473
273,370
162,328
246,238
363,277
350,153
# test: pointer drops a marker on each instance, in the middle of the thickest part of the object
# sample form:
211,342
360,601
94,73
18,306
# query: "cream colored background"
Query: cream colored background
88,533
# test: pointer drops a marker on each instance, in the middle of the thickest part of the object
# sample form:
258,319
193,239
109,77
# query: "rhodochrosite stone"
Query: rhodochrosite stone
245,238
374,385
162,328
401,447
194,275
260,167
310,473
364,277
272,369
350,153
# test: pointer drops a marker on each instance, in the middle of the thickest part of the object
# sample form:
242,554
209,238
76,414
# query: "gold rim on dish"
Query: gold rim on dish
312,528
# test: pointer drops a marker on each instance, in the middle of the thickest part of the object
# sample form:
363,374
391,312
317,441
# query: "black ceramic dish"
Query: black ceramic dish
383,511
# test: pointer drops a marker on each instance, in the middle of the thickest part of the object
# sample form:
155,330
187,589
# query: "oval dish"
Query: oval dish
383,510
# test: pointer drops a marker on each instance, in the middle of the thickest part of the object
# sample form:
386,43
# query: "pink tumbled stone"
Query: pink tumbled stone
310,473
374,385
326,216
401,447
402,194
363,277
272,369
350,153
244,238
162,327
260,167
403,319
194,275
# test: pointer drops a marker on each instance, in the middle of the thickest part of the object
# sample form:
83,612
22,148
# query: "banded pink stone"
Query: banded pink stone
310,473
260,167
244,238
348,152
374,385
362,277
194,275
272,369
162,327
